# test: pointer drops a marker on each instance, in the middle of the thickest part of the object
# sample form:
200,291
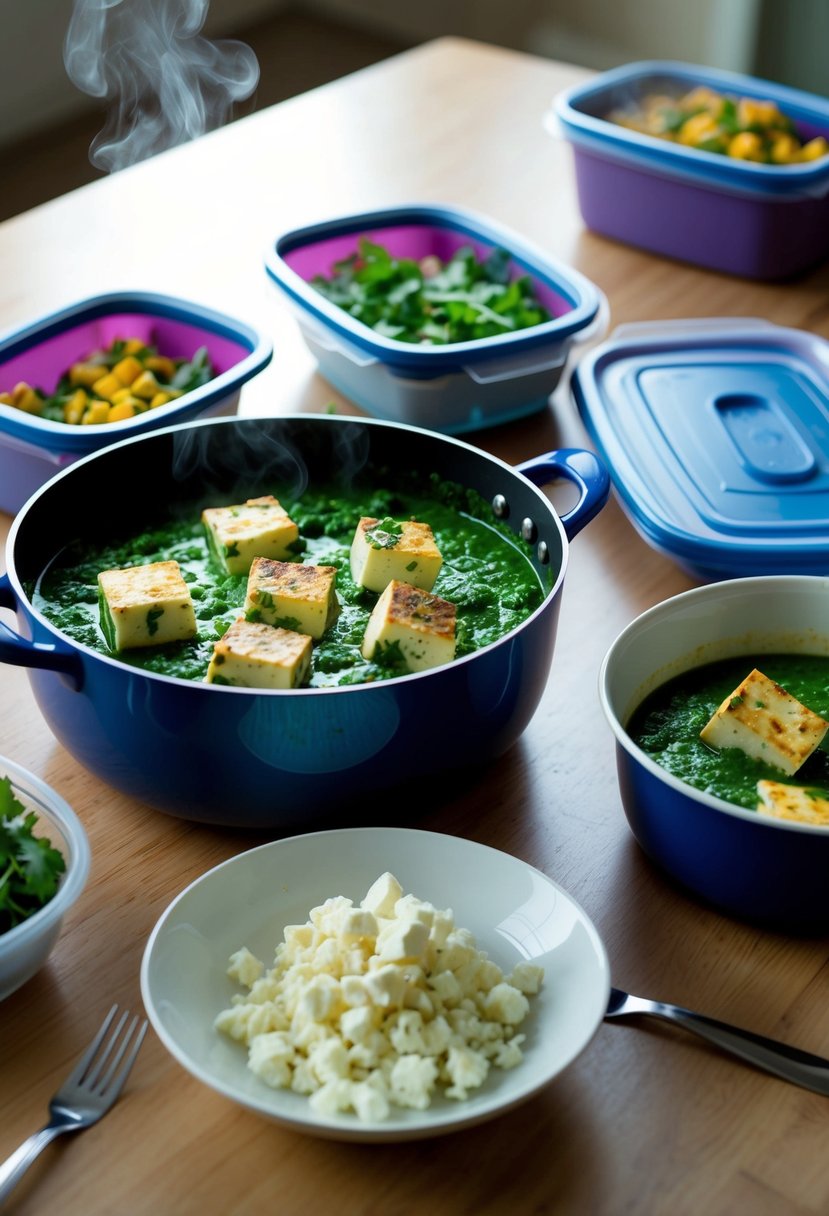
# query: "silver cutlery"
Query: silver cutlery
86,1095
790,1063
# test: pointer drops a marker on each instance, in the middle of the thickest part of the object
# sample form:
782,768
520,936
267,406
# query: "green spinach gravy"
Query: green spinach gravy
485,574
667,724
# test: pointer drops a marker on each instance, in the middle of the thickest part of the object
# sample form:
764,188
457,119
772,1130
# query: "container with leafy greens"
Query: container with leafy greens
433,315
44,865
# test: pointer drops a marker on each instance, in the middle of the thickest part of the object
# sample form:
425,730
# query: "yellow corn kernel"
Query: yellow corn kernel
122,394
97,411
754,113
698,128
6,399
134,346
124,409
785,149
814,149
127,369
145,386
746,145
73,408
107,386
702,98
160,399
86,374
25,398
162,366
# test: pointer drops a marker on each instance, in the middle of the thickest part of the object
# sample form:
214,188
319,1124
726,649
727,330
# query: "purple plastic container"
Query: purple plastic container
755,220
457,387
33,449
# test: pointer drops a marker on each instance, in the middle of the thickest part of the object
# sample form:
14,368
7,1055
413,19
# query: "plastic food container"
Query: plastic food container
33,449
716,436
756,220
461,386
25,948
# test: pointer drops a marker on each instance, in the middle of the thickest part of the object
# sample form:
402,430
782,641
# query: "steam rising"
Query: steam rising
164,83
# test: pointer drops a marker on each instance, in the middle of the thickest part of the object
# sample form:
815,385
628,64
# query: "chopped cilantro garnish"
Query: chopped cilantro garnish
30,866
152,620
431,301
385,534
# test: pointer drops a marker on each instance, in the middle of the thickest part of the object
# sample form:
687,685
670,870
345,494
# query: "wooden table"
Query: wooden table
646,1120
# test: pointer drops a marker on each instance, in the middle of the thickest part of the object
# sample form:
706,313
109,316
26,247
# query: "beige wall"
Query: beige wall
36,92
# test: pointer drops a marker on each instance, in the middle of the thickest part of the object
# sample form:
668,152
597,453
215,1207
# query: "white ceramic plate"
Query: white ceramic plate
515,912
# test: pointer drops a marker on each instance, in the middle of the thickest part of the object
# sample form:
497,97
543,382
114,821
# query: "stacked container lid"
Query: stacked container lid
716,434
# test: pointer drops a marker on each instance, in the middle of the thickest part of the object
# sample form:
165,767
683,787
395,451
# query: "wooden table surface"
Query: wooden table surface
646,1120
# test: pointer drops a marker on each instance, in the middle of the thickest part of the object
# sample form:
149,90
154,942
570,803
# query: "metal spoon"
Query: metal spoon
799,1067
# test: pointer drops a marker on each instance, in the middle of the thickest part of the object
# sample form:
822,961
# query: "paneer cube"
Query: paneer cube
292,595
767,723
145,606
252,655
259,527
797,802
420,624
383,549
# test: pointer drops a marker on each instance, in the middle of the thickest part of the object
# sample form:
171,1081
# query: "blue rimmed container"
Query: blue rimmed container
455,388
33,449
756,220
716,435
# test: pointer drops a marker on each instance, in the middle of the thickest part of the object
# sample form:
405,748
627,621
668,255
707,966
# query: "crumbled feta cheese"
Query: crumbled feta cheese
378,1005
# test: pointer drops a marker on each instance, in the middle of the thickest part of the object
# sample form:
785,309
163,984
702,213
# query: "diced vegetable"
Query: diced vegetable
745,128
120,382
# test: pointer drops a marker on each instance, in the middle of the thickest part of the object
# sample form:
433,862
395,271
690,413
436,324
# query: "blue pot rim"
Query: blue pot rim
377,688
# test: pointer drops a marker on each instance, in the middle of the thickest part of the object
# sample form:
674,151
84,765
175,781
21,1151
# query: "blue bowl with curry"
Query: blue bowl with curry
718,699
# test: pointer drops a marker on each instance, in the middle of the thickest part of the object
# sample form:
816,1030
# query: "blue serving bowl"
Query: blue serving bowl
771,872
33,449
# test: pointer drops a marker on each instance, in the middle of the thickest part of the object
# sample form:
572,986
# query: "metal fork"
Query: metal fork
86,1095
790,1063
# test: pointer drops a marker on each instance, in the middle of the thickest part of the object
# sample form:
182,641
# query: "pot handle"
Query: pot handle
584,470
20,652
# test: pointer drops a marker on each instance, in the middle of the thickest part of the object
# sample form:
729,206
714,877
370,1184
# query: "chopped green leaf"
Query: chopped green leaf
30,866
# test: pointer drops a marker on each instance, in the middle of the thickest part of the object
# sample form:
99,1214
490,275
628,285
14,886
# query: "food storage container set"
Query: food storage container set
713,433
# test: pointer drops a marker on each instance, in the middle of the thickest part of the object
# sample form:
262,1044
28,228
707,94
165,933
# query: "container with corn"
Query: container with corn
107,367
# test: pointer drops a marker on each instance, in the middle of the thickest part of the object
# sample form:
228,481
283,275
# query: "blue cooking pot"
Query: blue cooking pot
282,759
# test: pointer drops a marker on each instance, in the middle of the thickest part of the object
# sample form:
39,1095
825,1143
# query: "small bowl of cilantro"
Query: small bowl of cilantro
433,315
44,864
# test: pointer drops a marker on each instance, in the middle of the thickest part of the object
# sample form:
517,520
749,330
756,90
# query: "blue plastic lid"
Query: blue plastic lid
716,435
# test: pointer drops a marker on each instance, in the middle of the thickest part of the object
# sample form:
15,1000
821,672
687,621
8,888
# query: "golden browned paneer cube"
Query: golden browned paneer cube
292,595
383,549
795,802
259,527
767,723
420,624
254,655
145,606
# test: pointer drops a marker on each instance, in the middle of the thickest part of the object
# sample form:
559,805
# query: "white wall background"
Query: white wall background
36,93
